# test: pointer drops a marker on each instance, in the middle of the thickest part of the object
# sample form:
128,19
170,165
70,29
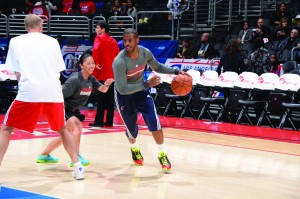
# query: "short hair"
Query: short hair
32,21
131,31
245,21
104,25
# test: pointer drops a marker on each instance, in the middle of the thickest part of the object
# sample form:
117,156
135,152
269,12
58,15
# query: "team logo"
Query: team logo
260,80
241,78
282,81
221,78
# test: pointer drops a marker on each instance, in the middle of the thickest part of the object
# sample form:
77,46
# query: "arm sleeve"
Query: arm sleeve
158,67
69,87
133,14
121,85
169,4
96,84
12,62
95,52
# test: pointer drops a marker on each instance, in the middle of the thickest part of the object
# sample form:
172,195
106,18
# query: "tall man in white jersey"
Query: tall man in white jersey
37,60
132,94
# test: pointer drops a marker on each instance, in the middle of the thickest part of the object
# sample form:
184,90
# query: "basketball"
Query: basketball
182,84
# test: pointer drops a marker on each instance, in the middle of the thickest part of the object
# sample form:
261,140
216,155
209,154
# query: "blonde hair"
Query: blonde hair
32,21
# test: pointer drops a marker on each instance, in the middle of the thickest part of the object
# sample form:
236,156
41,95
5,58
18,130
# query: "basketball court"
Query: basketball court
209,160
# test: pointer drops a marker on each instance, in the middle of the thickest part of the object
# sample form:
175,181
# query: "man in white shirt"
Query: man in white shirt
37,61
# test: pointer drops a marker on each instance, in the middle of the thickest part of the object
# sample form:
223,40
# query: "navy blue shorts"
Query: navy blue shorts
130,105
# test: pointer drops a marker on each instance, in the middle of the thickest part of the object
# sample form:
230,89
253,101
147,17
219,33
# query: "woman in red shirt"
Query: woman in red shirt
104,52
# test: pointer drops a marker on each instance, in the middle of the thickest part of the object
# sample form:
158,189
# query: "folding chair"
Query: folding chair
246,82
290,83
177,103
195,104
217,104
180,104
254,109
292,110
274,109
160,98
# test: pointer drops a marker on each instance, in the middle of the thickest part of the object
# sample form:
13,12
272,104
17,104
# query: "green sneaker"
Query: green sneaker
137,156
46,159
164,161
83,161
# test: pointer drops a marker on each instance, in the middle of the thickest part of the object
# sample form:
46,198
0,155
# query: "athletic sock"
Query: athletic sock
77,164
134,145
161,147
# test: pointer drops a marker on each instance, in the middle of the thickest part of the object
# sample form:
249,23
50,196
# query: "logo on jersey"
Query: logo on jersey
86,91
138,71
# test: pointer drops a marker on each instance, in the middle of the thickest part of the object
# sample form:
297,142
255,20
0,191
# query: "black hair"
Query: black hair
104,25
131,31
245,21
276,63
82,58
258,43
233,49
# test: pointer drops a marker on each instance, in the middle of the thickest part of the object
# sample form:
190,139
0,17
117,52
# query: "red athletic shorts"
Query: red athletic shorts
25,115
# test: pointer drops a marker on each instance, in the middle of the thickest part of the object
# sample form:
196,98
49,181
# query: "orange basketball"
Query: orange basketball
182,84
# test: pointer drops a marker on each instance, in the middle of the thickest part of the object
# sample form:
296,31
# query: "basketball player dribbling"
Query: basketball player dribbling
132,94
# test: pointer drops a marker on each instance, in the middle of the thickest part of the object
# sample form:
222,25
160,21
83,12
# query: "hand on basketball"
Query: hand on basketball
184,73
154,81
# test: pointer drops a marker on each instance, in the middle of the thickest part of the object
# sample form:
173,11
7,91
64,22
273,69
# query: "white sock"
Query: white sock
134,145
78,164
161,147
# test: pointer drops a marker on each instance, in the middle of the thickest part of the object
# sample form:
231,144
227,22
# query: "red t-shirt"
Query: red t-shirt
87,7
39,10
104,52
67,4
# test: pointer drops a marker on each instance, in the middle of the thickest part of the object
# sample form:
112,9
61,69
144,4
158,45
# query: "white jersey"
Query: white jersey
39,60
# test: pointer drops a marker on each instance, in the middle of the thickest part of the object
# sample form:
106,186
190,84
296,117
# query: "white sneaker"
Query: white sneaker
78,172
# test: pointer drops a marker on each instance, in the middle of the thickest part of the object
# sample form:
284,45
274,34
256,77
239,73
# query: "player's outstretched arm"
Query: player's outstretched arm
106,85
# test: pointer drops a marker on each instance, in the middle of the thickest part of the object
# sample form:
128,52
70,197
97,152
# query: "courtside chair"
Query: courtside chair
194,105
290,84
274,109
216,104
160,97
203,88
292,113
253,110
179,105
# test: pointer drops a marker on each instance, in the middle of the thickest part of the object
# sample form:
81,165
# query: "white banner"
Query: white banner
71,55
196,64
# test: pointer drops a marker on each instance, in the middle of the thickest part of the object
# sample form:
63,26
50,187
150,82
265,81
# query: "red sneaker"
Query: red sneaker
137,156
164,161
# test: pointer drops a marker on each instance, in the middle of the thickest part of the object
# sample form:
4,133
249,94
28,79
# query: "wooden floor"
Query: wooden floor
206,164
